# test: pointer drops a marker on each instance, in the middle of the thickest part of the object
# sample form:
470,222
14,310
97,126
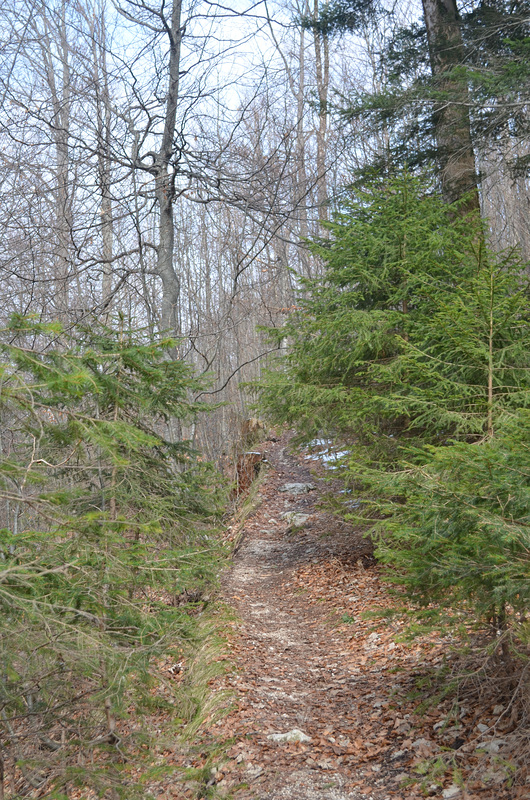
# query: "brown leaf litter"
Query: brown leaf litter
307,661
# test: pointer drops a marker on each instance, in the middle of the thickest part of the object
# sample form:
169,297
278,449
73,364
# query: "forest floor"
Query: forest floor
307,664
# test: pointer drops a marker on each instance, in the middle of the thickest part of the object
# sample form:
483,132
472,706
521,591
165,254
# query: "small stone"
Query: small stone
422,743
451,791
297,488
296,735
498,777
483,728
498,710
253,771
294,519
492,747
398,754
403,726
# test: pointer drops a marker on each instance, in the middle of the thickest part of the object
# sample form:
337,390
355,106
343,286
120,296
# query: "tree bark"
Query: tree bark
321,43
59,85
165,182
451,113
104,154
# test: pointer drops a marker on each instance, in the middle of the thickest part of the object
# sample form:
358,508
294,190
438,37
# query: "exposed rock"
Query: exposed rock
492,747
451,792
294,519
296,735
422,743
253,770
297,488
496,778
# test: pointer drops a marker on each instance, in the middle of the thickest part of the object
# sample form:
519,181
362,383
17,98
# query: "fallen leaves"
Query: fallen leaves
306,657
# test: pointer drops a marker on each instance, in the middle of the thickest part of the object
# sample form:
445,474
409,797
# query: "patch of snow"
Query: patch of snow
323,450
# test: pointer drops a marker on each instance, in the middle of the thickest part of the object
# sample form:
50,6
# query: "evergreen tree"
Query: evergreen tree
107,522
389,250
455,513
456,80
413,352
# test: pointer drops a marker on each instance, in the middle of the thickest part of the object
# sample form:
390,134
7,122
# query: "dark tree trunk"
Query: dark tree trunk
451,113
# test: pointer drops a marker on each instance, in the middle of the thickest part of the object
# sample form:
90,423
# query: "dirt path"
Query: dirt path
298,672
308,670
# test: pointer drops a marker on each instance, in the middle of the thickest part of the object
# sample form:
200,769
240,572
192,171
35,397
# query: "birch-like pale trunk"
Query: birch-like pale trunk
299,94
59,85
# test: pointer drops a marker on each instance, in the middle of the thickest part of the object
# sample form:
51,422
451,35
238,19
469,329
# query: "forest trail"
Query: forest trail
306,660
296,677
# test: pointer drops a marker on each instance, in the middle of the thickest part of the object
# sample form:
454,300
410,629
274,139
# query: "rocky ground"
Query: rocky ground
325,702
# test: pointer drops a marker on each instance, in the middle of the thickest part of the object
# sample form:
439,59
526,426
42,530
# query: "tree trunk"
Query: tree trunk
165,183
104,146
451,112
59,85
321,42
299,94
